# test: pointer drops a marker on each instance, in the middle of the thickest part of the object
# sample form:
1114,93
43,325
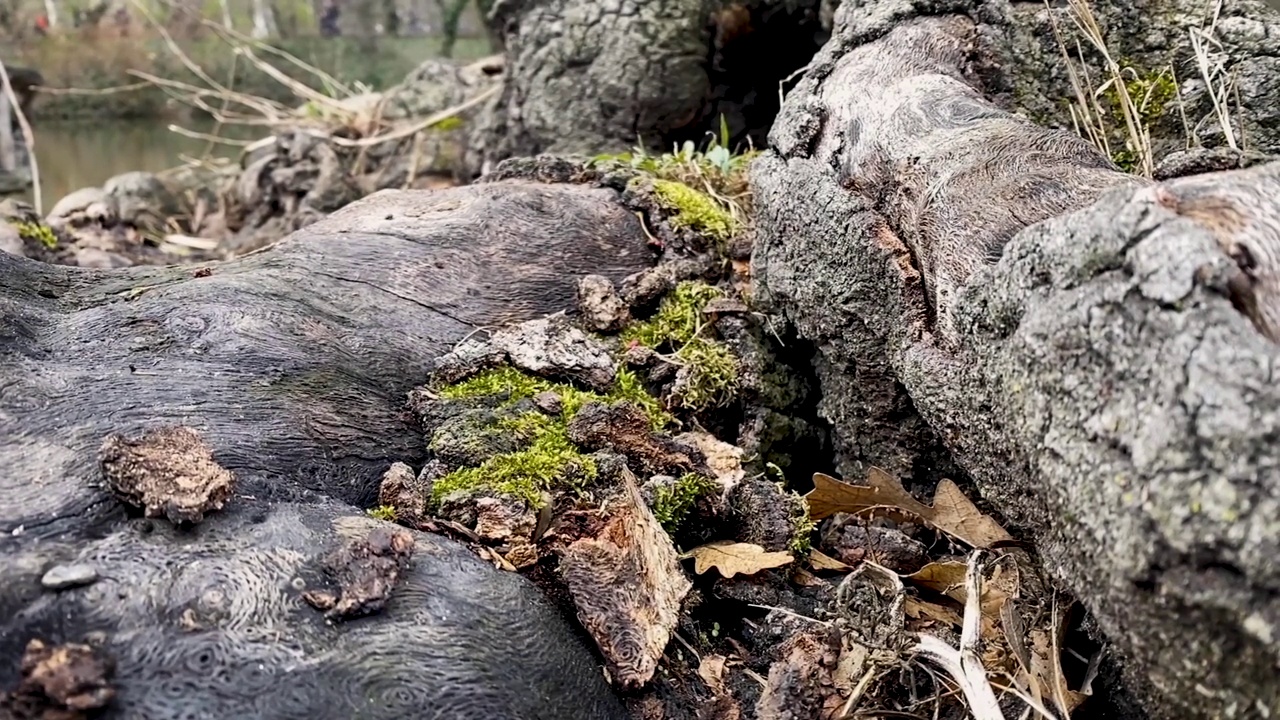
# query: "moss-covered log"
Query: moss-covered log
294,364
1108,384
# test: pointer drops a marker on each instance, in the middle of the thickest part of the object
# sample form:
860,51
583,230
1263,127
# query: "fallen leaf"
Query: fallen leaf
918,609
822,561
948,578
711,670
952,513
732,558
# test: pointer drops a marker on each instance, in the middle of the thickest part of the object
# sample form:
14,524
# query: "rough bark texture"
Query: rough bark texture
585,76
1097,383
1151,40
294,364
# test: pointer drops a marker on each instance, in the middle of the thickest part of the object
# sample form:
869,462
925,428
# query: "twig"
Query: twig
964,665
28,138
93,92
208,137
329,80
430,120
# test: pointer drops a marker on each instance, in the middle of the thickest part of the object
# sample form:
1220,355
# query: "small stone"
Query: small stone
11,241
61,577
639,356
600,304
548,402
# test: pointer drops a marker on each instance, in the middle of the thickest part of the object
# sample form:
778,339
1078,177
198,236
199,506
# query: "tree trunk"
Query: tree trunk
586,77
1098,384
294,364
450,16
264,20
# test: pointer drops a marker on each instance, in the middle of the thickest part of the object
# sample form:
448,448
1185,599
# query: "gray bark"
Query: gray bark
294,363
1097,383
591,77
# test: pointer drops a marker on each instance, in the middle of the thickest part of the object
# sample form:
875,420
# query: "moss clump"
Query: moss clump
450,123
382,512
38,232
802,538
694,210
711,368
516,386
549,459
672,503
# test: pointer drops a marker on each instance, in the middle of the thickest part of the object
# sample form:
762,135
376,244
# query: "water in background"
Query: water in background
74,155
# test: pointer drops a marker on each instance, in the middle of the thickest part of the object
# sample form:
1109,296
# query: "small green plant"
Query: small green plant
718,173
672,503
550,461
38,232
382,512
677,328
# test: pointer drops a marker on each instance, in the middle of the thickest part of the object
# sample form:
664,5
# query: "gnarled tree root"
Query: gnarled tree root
293,363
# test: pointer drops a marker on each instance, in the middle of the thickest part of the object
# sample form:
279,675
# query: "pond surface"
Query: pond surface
74,155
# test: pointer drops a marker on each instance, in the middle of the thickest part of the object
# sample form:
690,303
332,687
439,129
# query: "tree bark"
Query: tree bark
1098,383
294,364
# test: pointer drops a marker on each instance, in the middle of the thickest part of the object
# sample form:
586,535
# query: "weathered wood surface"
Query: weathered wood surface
1097,383
294,363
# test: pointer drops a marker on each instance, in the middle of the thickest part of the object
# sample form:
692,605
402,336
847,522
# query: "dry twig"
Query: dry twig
28,137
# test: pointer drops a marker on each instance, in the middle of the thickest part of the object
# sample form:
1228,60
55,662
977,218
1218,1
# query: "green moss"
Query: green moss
694,210
382,512
517,385
673,503
802,538
679,317
677,327
550,461
450,123
37,231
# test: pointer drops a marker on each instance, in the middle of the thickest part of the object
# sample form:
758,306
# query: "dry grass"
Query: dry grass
1113,111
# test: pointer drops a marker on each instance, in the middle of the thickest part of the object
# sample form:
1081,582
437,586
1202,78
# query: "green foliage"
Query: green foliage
715,172
37,231
802,538
677,328
382,512
673,503
447,124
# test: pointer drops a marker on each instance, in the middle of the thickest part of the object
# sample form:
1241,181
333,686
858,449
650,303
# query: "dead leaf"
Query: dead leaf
1066,699
948,578
952,513
732,558
711,670
918,609
822,561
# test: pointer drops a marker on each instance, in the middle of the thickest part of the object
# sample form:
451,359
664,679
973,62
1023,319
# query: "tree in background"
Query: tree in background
450,15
